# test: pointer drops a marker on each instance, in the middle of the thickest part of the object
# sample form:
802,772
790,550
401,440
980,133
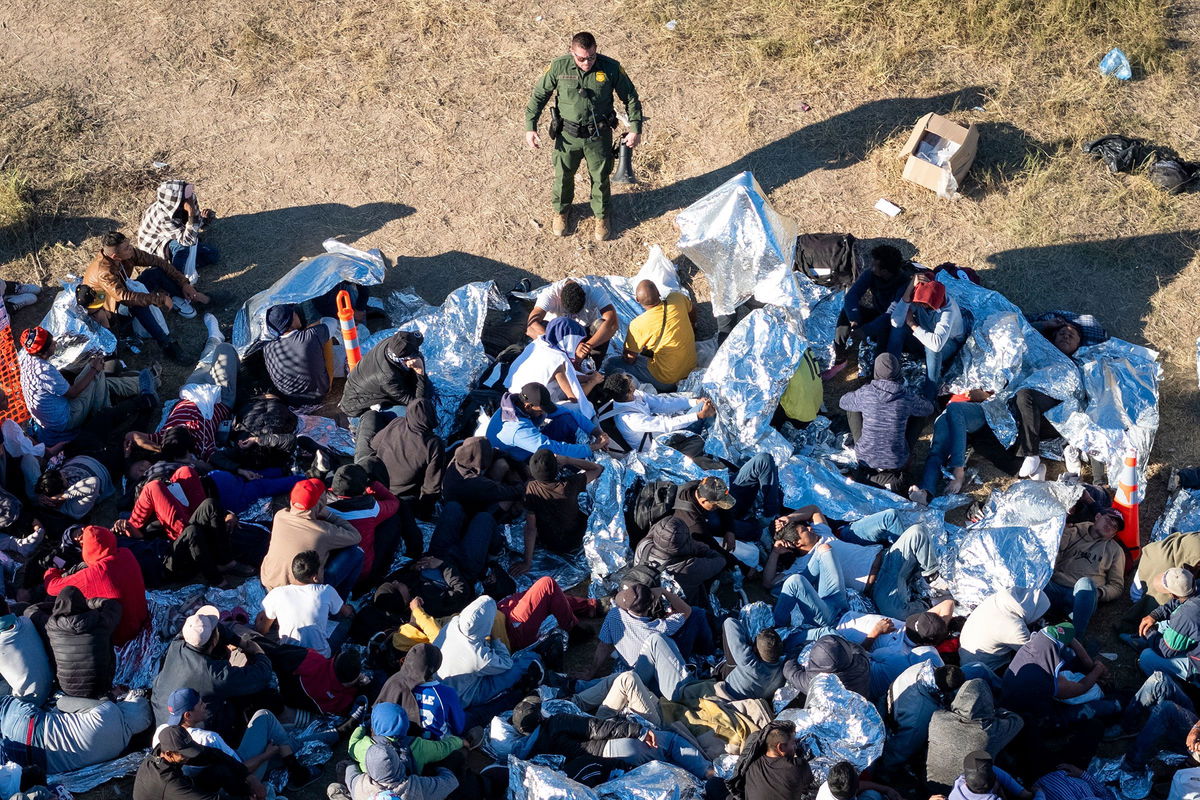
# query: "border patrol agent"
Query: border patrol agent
581,124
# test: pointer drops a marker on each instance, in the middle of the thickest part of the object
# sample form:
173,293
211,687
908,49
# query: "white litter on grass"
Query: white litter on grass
672,25
888,207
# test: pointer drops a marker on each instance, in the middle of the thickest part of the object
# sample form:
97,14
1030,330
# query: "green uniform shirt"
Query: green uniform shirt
599,83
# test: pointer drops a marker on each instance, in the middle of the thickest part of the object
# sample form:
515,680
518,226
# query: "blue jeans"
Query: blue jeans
909,558
818,617
661,667
342,568
1165,714
1182,667
1080,601
949,445
489,686
695,637
759,474
205,255
882,527
672,748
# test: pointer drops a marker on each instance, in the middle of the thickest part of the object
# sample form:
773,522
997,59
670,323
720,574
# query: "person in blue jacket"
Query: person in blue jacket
868,300
530,421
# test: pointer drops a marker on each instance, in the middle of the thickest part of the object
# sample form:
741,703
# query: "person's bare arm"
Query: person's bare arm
1068,688
882,627
560,376
85,377
607,329
536,325
590,469
530,546
772,565
263,623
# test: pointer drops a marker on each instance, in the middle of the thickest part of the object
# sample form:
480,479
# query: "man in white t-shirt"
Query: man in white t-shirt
566,298
304,611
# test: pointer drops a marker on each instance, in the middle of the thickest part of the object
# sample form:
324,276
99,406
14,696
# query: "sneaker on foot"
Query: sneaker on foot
1029,466
336,791
1039,474
214,328
918,495
833,371
183,308
1173,482
29,288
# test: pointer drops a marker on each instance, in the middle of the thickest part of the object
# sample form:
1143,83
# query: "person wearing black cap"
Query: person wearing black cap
981,779
296,357
391,375
377,515
880,415
529,421
162,775
552,514
654,648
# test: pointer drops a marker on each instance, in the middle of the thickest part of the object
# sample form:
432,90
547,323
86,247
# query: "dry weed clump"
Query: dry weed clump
16,205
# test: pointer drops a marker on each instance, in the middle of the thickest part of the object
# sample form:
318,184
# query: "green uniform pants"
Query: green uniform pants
568,152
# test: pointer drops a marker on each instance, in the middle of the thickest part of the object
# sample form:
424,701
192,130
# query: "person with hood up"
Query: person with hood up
413,455
223,668
59,740
390,773
24,667
478,481
551,360
553,518
108,572
1090,568
1000,626
973,722
423,697
376,514
881,422
529,421
297,358
911,701
306,524
670,547
391,375
865,310
80,633
928,324
478,668
390,725
832,655
980,779
172,225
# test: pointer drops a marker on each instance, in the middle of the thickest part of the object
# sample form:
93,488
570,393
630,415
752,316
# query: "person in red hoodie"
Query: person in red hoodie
170,503
111,573
371,509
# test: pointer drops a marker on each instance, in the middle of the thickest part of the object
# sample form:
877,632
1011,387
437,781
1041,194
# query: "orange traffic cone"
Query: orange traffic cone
349,330
1126,502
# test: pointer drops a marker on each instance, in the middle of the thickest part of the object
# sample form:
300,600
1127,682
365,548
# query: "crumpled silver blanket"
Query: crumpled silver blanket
311,278
835,725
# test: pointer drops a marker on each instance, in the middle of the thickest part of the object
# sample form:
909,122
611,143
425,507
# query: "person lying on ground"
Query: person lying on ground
1089,568
73,735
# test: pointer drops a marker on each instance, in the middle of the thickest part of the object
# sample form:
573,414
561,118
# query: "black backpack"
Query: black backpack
646,504
827,258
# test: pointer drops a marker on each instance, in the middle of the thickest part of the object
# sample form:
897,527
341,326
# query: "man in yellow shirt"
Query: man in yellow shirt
660,348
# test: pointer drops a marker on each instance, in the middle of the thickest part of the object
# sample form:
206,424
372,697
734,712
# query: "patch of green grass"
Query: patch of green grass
16,201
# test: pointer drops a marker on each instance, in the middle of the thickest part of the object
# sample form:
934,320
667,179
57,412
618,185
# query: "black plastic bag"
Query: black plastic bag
1119,153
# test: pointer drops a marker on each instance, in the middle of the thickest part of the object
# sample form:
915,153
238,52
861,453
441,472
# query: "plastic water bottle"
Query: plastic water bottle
1116,63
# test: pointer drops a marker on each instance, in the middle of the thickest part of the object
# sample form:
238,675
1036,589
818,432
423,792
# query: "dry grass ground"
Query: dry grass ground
398,125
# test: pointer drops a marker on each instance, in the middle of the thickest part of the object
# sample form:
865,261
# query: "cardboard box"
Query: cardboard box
957,146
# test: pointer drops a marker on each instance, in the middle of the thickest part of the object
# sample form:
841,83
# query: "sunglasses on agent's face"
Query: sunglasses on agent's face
584,58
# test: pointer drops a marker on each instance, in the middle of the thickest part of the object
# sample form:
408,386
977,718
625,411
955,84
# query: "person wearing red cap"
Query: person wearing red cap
930,323
308,525
59,407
